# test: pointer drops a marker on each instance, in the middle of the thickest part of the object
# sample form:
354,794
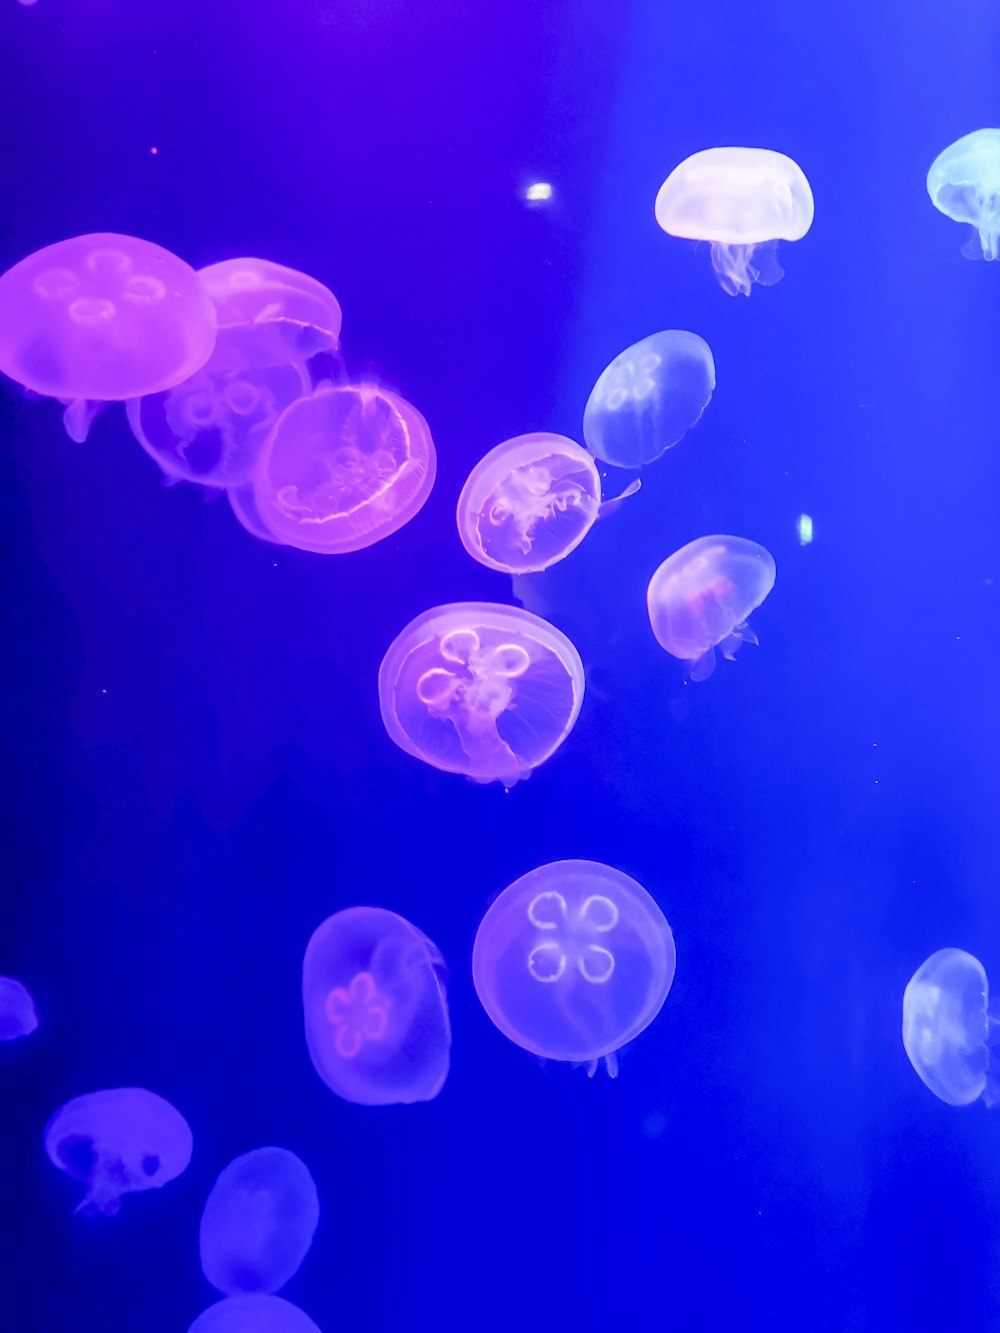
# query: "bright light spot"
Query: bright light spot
154,151
538,192
805,529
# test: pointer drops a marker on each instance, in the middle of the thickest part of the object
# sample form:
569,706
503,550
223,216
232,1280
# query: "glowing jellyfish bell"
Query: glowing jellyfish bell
17,1010
743,201
951,1032
481,689
528,503
102,318
648,398
573,960
964,184
292,315
701,596
253,1314
375,1010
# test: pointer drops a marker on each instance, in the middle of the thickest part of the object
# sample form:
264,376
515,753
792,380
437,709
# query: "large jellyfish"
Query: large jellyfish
118,1141
481,689
964,183
376,1015
573,960
700,597
253,1314
17,1010
528,503
648,398
742,200
343,469
951,1032
291,314
258,1222
102,318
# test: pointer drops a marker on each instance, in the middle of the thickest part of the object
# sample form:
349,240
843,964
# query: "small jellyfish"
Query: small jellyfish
17,1010
253,1314
258,1222
964,183
700,597
528,503
481,689
951,1032
573,960
648,398
742,200
375,1009
102,318
343,469
118,1141
293,315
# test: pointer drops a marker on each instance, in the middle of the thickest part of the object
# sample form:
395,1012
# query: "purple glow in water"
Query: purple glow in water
375,1009
17,1010
253,1314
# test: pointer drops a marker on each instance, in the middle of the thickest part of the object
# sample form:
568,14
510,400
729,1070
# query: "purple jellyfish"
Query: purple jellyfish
481,689
17,1010
102,318
118,1141
700,597
292,315
253,1314
572,961
376,1014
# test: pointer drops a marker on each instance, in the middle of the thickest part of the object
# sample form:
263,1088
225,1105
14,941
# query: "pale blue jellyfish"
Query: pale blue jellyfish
17,1010
648,398
258,1222
118,1141
951,1032
253,1314
964,183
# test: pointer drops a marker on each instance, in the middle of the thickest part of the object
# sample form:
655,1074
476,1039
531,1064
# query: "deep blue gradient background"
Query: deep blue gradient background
195,772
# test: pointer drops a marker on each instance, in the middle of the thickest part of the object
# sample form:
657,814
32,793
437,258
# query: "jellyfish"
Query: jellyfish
253,1314
951,1031
292,316
528,503
17,1010
258,1222
118,1141
964,184
572,961
376,1015
485,690
701,596
102,318
343,469
742,200
648,398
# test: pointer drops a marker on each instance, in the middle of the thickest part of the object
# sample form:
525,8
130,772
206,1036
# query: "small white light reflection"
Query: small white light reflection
805,528
538,192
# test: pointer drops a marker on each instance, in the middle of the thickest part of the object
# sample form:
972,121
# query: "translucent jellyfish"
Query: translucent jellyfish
528,503
343,469
17,1010
964,183
573,960
700,597
648,398
951,1031
118,1141
293,315
102,318
742,200
258,1222
481,689
211,428
253,1314
376,1014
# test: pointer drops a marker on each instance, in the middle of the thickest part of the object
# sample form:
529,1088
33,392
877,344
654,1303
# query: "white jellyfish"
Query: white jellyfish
951,1032
964,183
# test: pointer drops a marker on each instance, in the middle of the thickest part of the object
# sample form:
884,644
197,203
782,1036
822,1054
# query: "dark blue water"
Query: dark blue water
195,772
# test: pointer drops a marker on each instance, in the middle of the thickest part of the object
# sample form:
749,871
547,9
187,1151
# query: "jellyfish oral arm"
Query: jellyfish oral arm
738,267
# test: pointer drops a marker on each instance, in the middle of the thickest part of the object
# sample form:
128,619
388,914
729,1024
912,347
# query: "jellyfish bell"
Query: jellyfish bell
293,316
253,1314
951,1031
743,201
964,184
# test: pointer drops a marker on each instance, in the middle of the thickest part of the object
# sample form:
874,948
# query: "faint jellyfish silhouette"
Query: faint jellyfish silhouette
485,690
573,960
102,318
243,503
253,1314
258,1222
17,1010
700,597
951,1031
528,503
375,1009
964,184
292,315
743,200
118,1141
343,469
648,398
